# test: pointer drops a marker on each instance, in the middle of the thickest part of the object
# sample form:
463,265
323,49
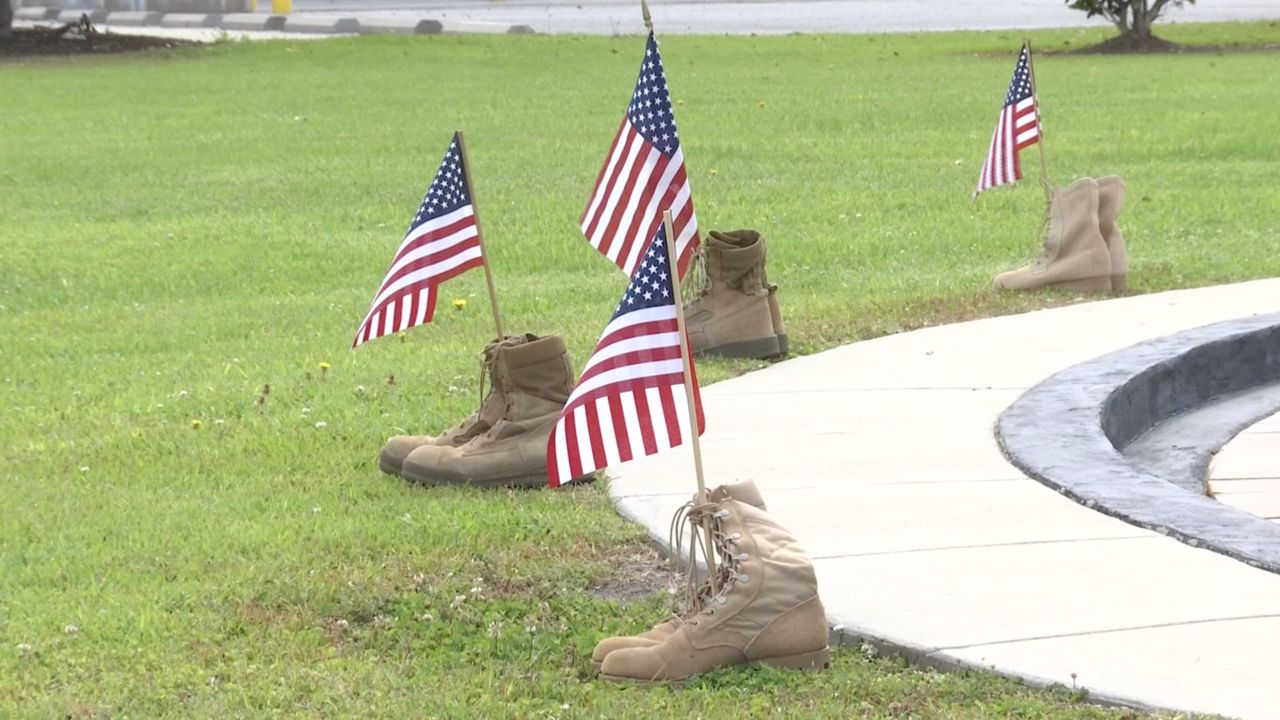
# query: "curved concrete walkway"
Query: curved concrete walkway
881,457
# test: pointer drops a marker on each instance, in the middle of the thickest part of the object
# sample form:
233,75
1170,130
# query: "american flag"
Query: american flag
1018,128
630,400
643,175
442,242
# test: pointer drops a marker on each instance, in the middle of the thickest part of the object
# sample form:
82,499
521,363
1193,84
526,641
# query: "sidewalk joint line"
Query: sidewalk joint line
1112,631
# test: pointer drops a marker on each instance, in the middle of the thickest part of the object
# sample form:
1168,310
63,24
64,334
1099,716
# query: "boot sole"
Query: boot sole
1097,284
784,344
529,482
765,347
816,660
386,468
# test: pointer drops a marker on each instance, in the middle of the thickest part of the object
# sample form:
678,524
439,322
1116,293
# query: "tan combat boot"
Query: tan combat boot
744,491
536,378
392,456
1110,202
1074,255
735,313
768,610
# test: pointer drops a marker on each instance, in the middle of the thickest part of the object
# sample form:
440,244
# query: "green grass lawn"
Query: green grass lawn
193,523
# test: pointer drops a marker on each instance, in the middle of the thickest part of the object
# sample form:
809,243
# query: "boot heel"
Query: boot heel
1095,284
805,661
1118,283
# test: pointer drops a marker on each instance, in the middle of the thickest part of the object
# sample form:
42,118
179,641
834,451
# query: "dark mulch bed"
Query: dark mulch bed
79,40
1128,45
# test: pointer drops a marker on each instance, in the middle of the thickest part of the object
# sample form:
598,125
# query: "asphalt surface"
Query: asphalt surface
606,17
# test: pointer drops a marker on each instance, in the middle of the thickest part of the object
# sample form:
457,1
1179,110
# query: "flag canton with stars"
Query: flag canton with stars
1020,86
448,190
650,108
651,284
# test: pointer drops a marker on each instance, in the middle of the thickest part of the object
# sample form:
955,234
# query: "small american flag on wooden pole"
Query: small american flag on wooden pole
643,175
1017,128
632,398
442,242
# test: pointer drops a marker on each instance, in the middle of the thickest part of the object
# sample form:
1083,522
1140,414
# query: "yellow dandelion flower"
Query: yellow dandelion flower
324,366
195,424
459,303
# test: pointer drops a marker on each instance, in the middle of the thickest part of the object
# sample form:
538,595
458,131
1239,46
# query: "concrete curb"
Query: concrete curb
1065,431
400,26
303,23
321,24
96,15
252,21
134,18
475,27
190,20
35,13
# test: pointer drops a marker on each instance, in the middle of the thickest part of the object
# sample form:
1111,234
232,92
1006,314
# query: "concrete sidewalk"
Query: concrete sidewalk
1246,472
881,457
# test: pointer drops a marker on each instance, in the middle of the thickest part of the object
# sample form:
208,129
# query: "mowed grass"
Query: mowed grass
193,523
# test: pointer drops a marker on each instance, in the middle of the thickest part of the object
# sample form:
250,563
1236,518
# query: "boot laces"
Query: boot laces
698,278
699,597
488,366
1043,233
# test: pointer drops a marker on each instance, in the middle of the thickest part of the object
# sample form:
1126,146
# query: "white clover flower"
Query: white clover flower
342,624
321,425
24,647
71,629
84,468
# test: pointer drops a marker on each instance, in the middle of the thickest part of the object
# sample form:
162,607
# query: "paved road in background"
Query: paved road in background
605,17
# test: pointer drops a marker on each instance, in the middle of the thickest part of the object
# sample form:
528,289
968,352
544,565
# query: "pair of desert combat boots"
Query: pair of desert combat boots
736,312
504,442
1083,248
764,607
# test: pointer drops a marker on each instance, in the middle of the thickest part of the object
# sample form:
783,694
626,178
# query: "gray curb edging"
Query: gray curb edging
304,23
133,18
309,24
479,27
1065,431
96,15
252,21
34,13
400,26
189,20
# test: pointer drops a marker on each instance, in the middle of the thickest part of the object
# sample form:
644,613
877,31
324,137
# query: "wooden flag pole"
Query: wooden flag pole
1044,167
708,542
648,19
484,256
